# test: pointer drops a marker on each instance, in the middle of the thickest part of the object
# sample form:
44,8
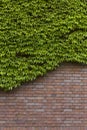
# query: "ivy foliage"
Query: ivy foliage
37,35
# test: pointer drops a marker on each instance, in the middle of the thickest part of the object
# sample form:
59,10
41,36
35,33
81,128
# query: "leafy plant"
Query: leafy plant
37,35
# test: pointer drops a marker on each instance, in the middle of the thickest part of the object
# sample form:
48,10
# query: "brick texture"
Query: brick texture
56,101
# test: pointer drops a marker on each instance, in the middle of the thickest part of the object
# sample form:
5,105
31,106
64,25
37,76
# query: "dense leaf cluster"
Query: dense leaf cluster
37,35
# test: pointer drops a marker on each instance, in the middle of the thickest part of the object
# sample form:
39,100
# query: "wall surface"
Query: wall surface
57,101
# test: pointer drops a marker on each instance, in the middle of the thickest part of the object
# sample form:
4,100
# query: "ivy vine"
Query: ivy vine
37,35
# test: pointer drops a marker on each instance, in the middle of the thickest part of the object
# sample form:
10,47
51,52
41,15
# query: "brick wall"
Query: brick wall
57,101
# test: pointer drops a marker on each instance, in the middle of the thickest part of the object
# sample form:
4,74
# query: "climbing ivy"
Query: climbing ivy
37,35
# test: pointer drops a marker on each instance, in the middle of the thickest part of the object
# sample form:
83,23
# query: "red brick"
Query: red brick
56,101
